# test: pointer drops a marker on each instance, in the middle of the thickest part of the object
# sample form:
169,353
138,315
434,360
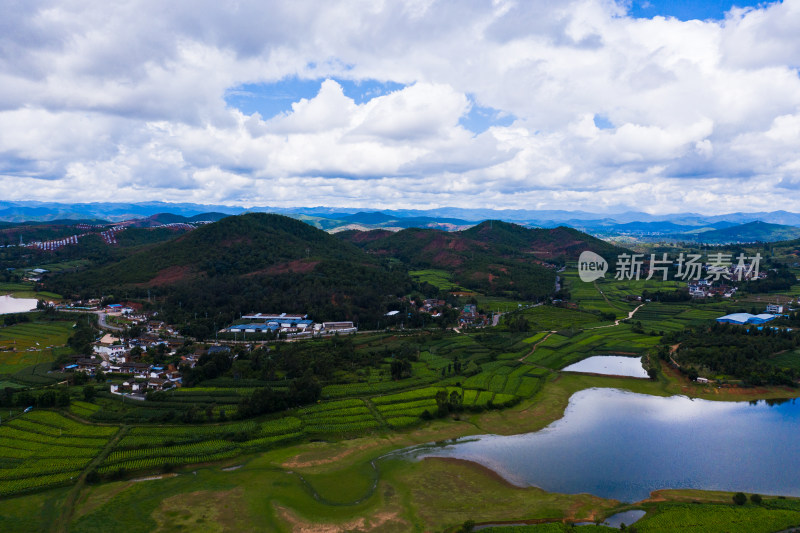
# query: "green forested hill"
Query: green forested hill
252,262
750,232
493,257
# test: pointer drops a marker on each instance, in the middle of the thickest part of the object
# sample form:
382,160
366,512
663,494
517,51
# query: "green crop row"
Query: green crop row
16,486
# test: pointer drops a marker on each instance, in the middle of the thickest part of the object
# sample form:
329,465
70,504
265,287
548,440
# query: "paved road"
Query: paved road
101,318
101,321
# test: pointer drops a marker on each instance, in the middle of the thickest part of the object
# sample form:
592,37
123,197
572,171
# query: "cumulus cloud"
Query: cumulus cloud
126,101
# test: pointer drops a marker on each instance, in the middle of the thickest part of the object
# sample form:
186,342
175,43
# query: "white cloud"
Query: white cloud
126,101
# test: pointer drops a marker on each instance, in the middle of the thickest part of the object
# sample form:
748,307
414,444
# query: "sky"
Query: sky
597,105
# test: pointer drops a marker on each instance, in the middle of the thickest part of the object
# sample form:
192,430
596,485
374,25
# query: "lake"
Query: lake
612,365
16,305
622,445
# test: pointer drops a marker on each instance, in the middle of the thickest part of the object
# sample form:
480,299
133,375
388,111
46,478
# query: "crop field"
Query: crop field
506,378
168,446
345,416
674,316
26,290
559,351
83,409
43,448
787,360
440,279
345,390
31,343
496,304
588,296
713,518
549,318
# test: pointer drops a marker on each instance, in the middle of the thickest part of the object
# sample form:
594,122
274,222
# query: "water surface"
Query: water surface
622,445
612,365
16,305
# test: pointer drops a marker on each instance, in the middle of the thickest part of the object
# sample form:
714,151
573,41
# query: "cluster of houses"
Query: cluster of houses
471,317
290,326
704,289
112,356
432,306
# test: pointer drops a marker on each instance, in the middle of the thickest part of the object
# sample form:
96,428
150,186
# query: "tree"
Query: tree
455,403
467,526
756,499
89,393
739,498
63,399
400,368
442,402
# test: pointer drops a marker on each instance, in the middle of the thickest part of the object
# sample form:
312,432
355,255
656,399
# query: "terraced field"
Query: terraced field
559,351
43,448
548,318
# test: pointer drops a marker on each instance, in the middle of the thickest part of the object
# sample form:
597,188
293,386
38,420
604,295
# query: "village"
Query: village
150,354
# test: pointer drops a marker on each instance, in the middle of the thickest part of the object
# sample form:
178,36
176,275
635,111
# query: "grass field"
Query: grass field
26,290
787,360
440,279
721,518
549,318
30,343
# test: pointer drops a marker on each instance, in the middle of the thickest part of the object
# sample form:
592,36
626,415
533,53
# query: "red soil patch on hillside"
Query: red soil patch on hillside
369,236
171,275
445,258
298,266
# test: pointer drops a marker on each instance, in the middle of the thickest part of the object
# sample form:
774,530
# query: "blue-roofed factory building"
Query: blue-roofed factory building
742,319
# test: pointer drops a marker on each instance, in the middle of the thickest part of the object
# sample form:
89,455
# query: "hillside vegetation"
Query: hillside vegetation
494,257
246,263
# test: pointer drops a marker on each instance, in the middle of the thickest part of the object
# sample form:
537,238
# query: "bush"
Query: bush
756,499
739,498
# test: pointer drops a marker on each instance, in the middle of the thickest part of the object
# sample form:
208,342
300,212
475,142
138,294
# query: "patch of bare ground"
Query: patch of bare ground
381,520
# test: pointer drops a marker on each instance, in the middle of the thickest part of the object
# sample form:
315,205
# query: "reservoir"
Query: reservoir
621,445
16,305
612,365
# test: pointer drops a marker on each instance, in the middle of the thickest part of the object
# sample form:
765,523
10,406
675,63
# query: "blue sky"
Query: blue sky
272,99
687,10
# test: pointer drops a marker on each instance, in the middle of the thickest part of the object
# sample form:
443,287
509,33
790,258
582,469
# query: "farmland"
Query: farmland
43,449
441,279
324,463
26,290
31,343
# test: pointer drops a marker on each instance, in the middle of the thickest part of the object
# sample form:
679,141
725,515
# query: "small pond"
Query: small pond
16,305
612,365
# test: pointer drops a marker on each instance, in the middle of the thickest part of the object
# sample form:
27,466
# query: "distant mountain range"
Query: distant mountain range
693,227
750,232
